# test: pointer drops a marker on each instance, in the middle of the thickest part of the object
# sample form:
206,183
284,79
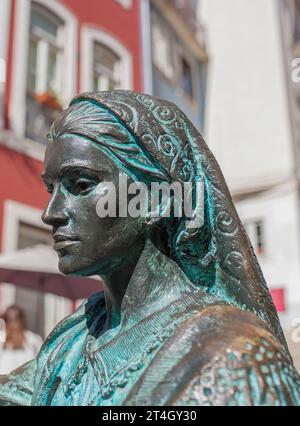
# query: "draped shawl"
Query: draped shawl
162,143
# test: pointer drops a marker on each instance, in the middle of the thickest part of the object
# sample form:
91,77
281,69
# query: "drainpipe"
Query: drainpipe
145,25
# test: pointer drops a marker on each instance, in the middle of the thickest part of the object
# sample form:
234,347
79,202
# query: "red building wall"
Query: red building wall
19,173
20,181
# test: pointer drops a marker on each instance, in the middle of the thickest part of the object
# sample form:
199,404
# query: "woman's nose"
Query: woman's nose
55,213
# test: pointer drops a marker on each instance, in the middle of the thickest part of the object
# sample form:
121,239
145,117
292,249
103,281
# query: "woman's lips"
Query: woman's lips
64,244
63,241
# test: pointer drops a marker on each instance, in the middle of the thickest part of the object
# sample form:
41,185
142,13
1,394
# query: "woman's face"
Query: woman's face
86,243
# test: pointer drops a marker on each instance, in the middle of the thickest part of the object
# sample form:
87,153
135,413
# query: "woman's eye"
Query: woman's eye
50,189
83,185
78,185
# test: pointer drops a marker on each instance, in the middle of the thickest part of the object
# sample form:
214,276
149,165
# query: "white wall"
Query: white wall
247,122
280,261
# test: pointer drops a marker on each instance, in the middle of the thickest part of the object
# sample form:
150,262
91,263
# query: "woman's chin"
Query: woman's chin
66,268
72,265
69,265
80,265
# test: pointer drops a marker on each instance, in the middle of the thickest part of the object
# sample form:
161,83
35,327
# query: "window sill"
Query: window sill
22,145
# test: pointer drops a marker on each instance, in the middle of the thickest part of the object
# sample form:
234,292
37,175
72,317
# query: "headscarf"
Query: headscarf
150,137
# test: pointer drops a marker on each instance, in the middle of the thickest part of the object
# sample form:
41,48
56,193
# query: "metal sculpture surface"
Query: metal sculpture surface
186,317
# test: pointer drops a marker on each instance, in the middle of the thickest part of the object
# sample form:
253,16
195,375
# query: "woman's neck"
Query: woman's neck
115,287
152,282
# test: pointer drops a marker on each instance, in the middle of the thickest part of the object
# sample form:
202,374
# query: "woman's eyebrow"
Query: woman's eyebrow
77,168
71,168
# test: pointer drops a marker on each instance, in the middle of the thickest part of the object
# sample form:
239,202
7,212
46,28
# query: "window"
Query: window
106,63
43,311
255,231
186,77
24,228
30,235
32,301
106,69
44,72
162,49
172,59
45,49
44,69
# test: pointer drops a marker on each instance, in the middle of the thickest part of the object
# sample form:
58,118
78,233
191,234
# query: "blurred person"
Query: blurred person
17,344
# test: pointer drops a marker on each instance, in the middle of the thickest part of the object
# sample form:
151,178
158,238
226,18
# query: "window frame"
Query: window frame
90,35
156,20
15,214
20,53
184,61
44,44
102,71
179,52
182,55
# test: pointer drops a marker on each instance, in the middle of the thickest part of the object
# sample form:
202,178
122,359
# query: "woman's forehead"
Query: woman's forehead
73,150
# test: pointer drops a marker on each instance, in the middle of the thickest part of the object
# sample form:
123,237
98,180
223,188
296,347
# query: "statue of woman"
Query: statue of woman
186,317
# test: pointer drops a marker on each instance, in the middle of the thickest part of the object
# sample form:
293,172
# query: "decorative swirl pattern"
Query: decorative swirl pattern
234,261
127,114
225,223
167,146
148,140
146,100
164,114
185,173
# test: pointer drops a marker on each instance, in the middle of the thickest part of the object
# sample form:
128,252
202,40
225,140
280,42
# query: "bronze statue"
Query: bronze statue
186,317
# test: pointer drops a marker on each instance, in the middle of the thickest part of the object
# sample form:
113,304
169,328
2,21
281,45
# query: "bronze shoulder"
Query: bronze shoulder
221,356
